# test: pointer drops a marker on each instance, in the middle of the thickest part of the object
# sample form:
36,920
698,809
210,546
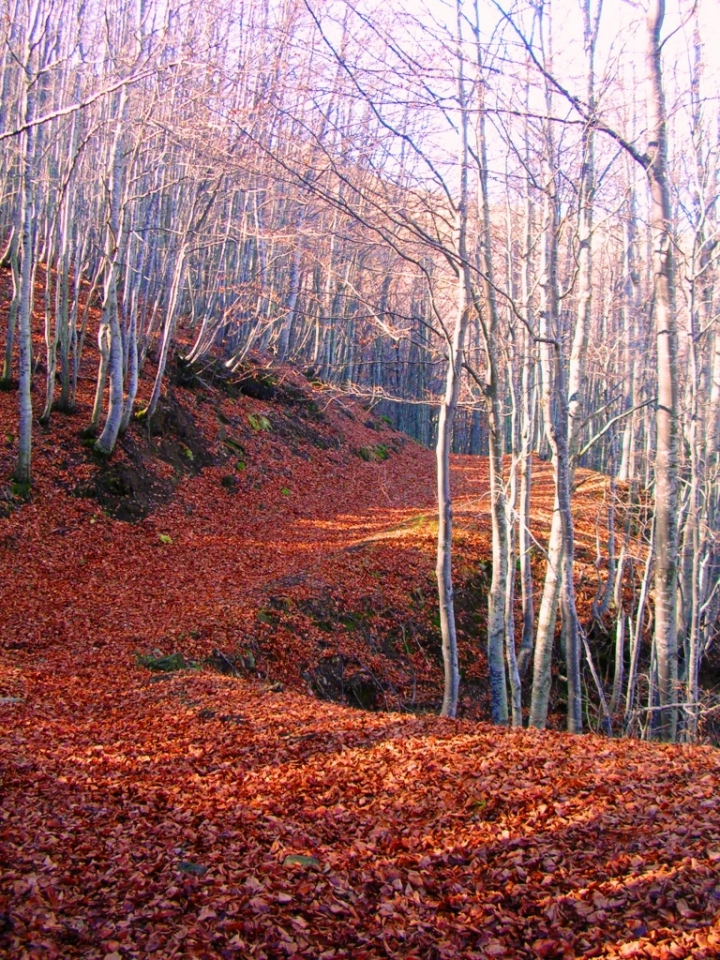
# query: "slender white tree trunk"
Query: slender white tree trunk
110,334
666,493
448,407
23,468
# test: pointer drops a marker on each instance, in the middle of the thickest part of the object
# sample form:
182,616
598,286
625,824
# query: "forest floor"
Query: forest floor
271,546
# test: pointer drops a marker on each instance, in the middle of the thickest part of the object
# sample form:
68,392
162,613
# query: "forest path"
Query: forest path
79,577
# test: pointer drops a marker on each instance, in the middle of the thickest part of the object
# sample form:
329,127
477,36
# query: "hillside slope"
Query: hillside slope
285,535
262,526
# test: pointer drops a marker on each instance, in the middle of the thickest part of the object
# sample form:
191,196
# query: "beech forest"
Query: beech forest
359,479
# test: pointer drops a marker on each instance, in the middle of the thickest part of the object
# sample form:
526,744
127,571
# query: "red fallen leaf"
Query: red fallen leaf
494,948
258,905
633,949
547,948
684,910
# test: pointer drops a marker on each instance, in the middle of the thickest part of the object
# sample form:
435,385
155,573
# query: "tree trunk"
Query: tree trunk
666,493
448,408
